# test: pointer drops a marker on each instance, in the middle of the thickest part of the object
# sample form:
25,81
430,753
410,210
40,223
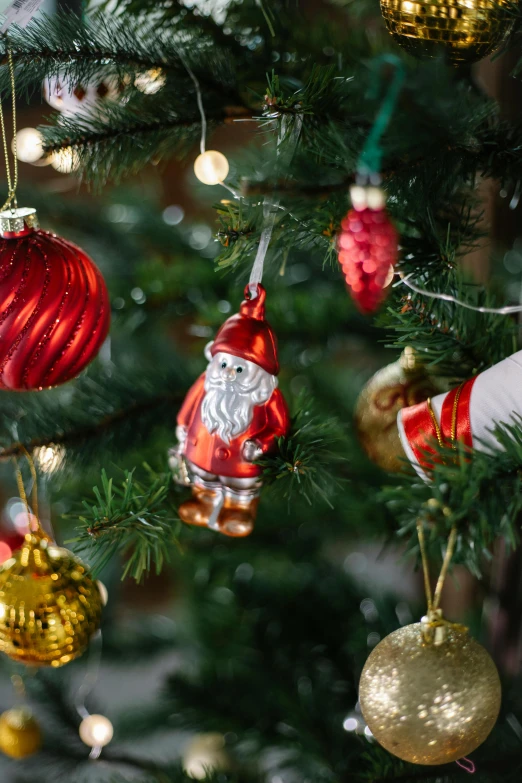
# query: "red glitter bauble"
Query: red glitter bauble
367,248
54,307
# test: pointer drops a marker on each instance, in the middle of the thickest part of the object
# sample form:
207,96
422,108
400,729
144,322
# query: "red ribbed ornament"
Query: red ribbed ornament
367,247
54,306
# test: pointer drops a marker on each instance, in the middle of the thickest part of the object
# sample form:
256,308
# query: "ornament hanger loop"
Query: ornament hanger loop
12,182
369,163
32,514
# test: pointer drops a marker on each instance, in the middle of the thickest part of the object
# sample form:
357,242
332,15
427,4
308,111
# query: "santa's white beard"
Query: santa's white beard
228,408
227,412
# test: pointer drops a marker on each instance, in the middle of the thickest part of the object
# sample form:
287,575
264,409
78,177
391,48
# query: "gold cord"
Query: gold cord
11,183
35,481
454,413
31,515
425,565
434,601
435,422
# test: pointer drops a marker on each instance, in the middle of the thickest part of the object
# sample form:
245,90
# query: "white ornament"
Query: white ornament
70,99
211,167
96,731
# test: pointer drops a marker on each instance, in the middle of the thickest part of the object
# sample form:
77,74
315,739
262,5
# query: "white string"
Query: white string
89,682
270,207
199,100
508,310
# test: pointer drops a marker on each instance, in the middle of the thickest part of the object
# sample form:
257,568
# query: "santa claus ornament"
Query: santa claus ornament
231,416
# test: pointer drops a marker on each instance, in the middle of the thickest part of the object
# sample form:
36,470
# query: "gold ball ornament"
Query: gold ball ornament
211,167
49,605
20,734
463,30
429,703
396,386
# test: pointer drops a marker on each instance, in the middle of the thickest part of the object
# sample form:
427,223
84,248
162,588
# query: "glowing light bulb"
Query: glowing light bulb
65,160
211,167
96,731
104,593
29,145
150,82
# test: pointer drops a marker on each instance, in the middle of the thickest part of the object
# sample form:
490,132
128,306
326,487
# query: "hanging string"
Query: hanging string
433,600
32,514
369,162
199,101
12,183
270,206
406,280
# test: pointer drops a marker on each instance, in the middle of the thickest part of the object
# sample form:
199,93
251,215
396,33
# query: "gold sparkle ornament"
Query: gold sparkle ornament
396,386
430,703
20,734
463,30
49,605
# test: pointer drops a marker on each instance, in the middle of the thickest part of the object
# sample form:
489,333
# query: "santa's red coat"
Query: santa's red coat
271,420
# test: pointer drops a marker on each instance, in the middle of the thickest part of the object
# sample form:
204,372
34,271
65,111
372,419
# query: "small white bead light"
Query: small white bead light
65,161
29,147
211,167
104,593
96,731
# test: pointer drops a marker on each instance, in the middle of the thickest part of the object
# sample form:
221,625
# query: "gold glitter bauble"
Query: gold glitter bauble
20,734
463,30
49,605
403,383
427,703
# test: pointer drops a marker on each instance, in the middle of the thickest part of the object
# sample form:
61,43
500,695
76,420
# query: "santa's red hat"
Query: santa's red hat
248,335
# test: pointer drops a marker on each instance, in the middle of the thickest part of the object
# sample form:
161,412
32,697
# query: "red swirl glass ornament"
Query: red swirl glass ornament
367,247
54,306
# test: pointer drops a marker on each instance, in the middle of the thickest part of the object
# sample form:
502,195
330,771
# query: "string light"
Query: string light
65,161
29,145
210,167
96,731
508,310
150,82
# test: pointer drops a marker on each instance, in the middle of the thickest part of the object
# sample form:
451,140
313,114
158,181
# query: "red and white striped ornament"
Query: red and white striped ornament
367,248
467,414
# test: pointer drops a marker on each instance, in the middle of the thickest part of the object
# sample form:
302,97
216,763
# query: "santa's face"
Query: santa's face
233,388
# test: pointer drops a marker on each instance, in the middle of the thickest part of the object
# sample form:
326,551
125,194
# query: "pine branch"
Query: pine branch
466,492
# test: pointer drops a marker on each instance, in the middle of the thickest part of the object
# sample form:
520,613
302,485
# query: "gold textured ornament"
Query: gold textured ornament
49,605
463,30
396,386
20,734
430,703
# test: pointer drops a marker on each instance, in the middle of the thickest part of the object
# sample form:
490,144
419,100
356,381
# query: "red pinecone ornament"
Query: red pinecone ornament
54,306
367,247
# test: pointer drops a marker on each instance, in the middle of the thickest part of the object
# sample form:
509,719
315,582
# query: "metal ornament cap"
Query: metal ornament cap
18,222
49,604
430,703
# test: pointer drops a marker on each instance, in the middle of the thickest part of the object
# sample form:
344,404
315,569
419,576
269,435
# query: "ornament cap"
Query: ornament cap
16,223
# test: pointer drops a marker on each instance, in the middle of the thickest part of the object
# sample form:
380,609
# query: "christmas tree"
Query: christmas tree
303,219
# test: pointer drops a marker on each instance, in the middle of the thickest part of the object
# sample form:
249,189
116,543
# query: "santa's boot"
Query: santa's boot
239,512
198,510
